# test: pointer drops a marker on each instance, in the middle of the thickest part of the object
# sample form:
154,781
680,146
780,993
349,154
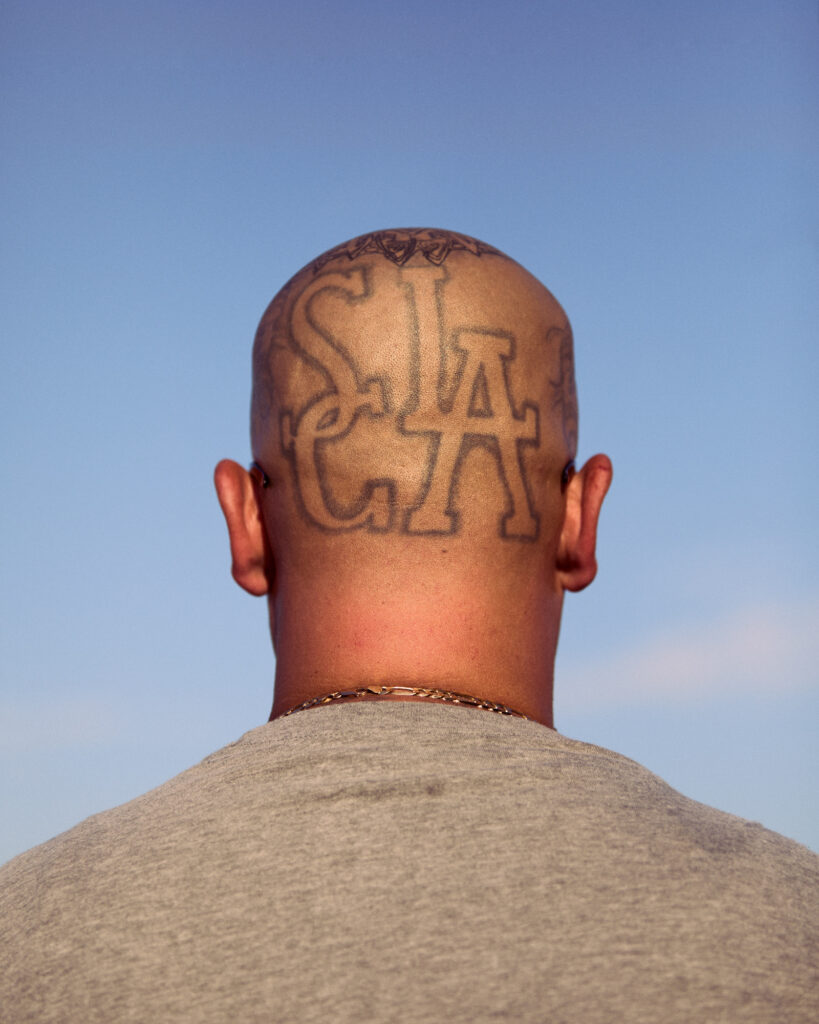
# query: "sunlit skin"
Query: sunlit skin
414,520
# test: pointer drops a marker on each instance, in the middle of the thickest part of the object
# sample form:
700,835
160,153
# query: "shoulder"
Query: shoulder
134,832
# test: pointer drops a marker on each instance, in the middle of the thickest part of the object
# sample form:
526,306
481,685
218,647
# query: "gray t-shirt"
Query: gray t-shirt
411,862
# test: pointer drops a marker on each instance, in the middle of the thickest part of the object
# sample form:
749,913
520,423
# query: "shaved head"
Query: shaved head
416,383
413,515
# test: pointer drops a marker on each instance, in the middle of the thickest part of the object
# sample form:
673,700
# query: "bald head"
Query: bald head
412,516
419,383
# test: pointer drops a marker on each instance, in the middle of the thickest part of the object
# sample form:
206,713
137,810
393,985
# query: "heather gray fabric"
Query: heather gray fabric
411,862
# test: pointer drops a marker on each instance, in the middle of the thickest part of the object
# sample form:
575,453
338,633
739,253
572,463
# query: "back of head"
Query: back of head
413,398
413,515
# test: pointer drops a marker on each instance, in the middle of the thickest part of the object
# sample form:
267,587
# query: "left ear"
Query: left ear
238,497
576,553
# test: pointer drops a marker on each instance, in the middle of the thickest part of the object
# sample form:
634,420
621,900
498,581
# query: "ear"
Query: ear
576,562
238,497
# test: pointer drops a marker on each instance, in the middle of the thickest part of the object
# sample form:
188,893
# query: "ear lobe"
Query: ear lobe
238,498
576,561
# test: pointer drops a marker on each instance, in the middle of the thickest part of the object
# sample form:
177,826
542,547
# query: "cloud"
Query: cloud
758,649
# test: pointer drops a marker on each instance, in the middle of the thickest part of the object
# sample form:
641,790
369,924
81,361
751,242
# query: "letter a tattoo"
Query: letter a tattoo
474,408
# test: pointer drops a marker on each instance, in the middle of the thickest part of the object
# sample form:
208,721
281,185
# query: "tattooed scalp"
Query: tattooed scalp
415,383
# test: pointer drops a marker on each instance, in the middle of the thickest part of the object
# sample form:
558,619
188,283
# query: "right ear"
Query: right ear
239,499
576,553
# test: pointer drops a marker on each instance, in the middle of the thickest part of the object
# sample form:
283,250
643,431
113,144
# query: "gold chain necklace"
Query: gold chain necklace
445,696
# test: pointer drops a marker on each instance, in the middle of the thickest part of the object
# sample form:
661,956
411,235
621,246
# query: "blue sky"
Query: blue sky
167,166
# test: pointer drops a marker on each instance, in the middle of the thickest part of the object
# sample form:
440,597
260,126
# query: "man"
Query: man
409,838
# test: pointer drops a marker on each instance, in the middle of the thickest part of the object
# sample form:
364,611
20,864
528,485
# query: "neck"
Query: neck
329,639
